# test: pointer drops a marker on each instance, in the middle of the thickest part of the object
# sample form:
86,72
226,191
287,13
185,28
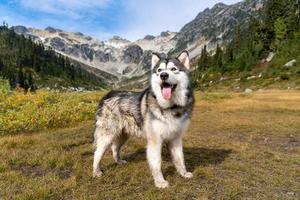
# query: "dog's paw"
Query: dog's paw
121,162
162,184
187,175
97,173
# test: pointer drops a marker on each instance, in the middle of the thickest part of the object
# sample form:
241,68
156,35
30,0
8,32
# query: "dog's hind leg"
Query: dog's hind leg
176,151
116,146
103,141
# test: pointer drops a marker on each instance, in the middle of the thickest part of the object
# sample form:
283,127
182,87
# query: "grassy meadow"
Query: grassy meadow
238,146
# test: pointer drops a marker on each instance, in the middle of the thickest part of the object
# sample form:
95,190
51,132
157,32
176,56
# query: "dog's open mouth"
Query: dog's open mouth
167,89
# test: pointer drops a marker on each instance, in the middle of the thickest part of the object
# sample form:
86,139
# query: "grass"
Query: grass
238,147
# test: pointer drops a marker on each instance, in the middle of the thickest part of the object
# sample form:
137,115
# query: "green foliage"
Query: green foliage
276,30
4,87
280,32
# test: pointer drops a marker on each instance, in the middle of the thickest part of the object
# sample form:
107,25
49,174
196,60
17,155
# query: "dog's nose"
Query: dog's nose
164,76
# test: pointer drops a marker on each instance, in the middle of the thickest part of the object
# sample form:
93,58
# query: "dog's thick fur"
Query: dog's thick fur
149,114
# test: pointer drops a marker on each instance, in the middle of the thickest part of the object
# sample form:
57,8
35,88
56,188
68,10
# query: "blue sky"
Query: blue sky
132,19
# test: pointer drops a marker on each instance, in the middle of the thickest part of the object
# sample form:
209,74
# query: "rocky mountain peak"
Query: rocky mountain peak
215,25
52,30
20,29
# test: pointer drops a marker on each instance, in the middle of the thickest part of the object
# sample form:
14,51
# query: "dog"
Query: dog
160,114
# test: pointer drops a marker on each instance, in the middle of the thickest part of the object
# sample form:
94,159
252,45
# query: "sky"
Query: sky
131,19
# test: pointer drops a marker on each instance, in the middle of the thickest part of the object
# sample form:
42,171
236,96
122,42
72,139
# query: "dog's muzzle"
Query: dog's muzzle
164,76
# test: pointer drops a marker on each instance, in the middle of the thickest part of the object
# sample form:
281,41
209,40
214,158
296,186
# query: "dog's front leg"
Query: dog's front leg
176,150
154,160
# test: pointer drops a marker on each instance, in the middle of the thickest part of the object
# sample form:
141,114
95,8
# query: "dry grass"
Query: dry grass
238,147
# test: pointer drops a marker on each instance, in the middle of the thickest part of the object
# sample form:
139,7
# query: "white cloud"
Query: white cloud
152,17
69,8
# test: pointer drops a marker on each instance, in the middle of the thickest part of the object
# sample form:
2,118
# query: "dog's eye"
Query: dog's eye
159,70
174,69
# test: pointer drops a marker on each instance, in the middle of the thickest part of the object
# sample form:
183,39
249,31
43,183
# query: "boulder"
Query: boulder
270,57
290,64
248,91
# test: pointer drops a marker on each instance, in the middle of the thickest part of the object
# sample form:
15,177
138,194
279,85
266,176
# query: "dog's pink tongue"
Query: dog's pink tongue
167,93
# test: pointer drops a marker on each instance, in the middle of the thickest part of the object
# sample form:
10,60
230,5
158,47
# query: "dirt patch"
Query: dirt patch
38,171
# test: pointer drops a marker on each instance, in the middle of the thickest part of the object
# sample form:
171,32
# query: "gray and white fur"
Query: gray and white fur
160,114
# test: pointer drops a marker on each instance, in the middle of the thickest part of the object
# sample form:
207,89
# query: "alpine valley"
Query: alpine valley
119,61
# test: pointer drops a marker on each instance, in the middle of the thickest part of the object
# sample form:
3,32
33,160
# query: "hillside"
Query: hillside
30,65
265,54
216,25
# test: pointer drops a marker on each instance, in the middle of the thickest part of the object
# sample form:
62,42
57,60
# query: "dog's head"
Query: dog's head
170,78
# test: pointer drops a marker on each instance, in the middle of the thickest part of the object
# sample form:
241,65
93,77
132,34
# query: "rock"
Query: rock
248,91
57,43
223,78
127,70
290,64
149,37
101,56
165,34
260,75
89,38
79,34
20,29
270,57
64,35
251,77
50,29
146,60
277,79
132,53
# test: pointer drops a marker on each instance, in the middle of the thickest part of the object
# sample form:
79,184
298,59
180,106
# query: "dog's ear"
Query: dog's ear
155,60
183,57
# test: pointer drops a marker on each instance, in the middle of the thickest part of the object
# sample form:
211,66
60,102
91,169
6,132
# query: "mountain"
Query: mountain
30,65
117,56
215,25
130,60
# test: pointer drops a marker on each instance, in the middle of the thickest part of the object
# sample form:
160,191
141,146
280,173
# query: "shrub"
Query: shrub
4,87
20,112
284,77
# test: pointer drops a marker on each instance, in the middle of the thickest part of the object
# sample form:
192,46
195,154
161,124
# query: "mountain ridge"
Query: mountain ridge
129,60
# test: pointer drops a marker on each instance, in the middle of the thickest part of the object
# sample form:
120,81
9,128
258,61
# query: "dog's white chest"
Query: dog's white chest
169,127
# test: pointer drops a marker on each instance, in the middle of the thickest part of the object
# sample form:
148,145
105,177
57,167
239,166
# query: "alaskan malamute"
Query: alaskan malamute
161,113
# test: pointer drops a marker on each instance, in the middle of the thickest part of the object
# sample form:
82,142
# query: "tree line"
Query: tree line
23,62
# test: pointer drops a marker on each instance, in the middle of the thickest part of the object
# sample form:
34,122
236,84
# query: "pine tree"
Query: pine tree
218,59
280,32
204,58
21,78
